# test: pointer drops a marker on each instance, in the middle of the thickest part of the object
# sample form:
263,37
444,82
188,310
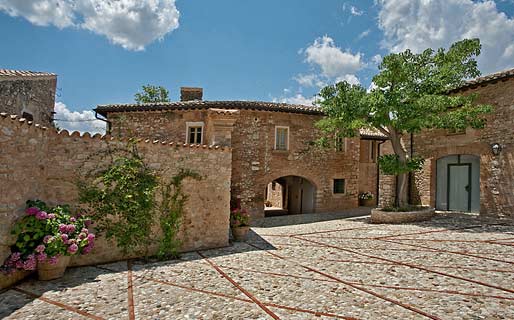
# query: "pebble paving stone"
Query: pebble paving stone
324,266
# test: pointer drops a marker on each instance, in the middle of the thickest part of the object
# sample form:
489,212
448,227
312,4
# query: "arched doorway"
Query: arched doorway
458,183
289,195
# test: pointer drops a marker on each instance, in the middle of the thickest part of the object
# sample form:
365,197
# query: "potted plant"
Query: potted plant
46,238
366,199
239,223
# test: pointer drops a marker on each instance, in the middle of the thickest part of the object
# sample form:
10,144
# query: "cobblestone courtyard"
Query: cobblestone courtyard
454,267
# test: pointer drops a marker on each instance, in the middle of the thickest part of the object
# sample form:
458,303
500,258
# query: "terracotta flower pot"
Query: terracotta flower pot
367,202
48,271
240,233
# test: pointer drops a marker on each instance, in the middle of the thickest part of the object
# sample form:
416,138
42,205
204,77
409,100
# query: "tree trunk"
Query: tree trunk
402,192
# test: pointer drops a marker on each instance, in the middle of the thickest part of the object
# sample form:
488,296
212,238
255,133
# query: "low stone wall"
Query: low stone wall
391,217
36,162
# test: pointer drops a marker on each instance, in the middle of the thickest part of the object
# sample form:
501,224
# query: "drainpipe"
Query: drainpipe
410,173
109,124
378,172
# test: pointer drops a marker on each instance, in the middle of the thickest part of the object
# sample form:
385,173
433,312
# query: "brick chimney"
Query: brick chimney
188,93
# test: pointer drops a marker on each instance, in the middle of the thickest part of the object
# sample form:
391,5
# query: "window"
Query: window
281,138
194,132
339,185
27,116
340,143
454,131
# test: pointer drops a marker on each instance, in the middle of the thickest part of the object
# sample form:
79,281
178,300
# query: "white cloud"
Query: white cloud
77,121
364,34
354,11
418,24
132,24
376,59
310,80
296,99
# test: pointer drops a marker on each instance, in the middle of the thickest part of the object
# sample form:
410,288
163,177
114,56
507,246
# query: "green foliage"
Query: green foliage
411,94
152,94
390,164
239,218
129,199
171,208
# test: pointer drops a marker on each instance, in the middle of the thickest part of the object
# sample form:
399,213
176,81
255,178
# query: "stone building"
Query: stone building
28,94
272,145
471,170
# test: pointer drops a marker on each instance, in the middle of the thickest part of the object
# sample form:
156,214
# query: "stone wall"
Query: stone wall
44,164
255,163
368,167
33,95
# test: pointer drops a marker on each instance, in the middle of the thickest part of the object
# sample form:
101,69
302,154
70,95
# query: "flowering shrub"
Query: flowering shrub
365,195
46,233
239,218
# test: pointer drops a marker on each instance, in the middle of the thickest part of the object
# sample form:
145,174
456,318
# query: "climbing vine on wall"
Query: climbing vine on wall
128,199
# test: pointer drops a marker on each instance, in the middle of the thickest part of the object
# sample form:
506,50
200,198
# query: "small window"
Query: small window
195,132
340,144
281,138
339,185
454,131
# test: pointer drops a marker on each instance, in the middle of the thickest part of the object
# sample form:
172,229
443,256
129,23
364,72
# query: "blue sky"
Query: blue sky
252,50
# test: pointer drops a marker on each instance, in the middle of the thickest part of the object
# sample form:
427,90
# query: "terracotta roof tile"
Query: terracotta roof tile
21,73
486,79
371,134
200,104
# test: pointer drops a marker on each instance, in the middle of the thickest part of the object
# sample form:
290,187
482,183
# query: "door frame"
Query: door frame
470,185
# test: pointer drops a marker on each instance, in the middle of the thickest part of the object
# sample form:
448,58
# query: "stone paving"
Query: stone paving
453,267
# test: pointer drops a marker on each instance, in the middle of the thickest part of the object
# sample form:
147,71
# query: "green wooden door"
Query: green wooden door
459,187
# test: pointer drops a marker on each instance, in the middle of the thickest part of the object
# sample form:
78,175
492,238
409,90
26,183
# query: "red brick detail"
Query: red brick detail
130,291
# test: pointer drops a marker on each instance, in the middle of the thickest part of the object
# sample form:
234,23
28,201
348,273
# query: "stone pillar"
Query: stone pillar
220,123
386,191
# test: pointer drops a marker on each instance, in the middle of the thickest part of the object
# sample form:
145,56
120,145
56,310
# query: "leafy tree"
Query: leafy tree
152,94
411,94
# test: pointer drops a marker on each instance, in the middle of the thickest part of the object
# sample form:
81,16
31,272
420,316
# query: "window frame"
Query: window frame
276,136
372,156
342,145
197,124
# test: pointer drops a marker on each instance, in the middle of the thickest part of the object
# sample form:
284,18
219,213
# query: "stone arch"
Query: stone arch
289,194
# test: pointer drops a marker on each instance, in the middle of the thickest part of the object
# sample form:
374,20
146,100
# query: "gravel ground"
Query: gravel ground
324,266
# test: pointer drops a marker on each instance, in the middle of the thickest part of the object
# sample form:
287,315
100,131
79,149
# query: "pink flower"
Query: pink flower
82,235
51,216
40,248
64,237
53,260
88,248
41,215
91,237
32,211
84,230
19,264
72,219
15,256
63,228
41,257
47,239
30,263
88,223
71,228
73,248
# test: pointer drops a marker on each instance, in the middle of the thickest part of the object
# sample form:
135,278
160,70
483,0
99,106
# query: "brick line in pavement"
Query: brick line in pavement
411,266
58,304
459,267
450,292
243,290
450,251
130,292
222,295
358,287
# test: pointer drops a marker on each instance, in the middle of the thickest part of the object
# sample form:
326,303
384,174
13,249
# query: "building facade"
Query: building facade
272,145
29,95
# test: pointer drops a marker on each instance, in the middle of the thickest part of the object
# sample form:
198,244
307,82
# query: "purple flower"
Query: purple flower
40,248
71,228
91,237
19,264
84,230
88,248
82,235
73,248
15,256
72,219
64,237
32,211
53,260
51,216
88,222
41,257
30,263
63,228
41,215
47,239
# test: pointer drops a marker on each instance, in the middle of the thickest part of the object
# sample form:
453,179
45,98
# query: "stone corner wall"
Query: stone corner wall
32,95
41,163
